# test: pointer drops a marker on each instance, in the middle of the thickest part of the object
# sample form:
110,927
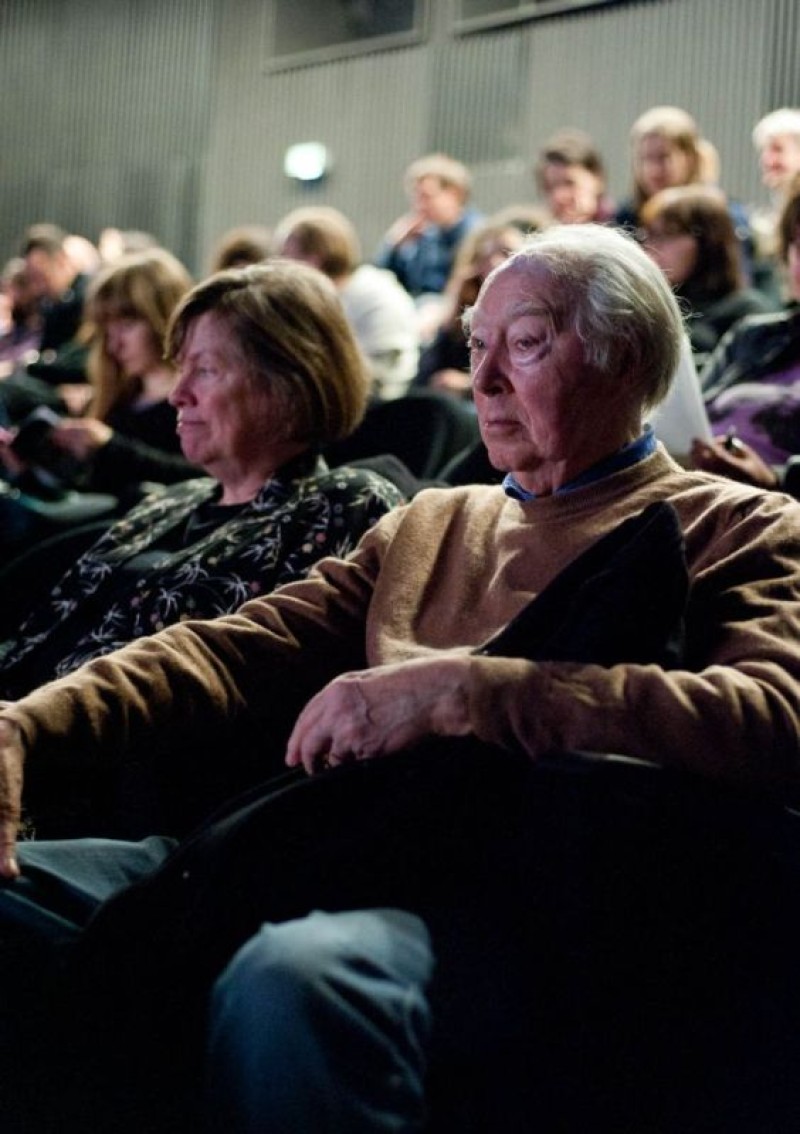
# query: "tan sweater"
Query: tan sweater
448,571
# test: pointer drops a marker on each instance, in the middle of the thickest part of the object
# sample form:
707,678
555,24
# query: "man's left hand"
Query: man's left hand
378,711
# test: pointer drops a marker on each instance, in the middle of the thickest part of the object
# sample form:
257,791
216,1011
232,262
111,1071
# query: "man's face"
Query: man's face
780,160
435,202
545,414
49,276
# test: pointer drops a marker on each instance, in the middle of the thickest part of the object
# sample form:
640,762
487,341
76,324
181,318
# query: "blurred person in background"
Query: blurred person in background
571,178
240,246
124,430
380,311
689,233
751,384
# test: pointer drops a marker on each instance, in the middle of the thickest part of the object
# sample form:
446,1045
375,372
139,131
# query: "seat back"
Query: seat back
424,429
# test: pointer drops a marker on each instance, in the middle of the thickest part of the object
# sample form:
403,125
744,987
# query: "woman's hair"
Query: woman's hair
679,129
144,286
616,299
702,212
238,247
464,281
789,221
286,322
327,235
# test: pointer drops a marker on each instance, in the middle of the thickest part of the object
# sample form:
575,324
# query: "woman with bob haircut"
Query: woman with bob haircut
688,231
267,372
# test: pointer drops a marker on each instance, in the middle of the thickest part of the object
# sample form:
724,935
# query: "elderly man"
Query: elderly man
323,1022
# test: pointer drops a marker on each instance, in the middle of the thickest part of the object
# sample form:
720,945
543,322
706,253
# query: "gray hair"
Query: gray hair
786,120
616,299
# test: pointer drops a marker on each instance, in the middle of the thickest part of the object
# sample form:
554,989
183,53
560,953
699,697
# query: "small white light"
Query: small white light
306,161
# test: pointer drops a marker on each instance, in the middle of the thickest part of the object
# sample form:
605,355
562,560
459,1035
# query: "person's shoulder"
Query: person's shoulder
700,495
444,501
371,285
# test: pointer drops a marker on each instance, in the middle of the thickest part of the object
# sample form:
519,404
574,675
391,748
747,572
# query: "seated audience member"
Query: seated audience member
751,384
240,246
60,292
380,311
20,320
689,233
667,151
572,339
256,395
421,245
571,177
444,364
776,138
126,434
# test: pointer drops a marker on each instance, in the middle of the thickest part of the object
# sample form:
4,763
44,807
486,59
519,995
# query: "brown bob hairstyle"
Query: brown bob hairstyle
701,212
286,324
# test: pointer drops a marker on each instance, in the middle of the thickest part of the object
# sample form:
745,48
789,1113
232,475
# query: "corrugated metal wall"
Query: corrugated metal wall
165,116
105,115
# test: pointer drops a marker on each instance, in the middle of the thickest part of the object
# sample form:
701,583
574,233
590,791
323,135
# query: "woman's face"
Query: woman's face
675,253
228,422
660,164
133,346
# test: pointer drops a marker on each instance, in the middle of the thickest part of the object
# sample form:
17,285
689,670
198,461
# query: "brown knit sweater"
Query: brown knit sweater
445,573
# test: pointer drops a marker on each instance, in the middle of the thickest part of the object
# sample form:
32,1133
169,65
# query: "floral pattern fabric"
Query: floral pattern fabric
301,515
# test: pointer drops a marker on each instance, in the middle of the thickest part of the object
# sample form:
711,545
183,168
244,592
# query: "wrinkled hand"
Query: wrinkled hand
378,711
81,436
739,463
12,756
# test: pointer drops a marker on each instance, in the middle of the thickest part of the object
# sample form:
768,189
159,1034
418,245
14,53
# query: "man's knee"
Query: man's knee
289,962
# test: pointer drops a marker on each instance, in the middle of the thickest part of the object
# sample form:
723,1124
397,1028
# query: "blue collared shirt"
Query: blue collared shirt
628,455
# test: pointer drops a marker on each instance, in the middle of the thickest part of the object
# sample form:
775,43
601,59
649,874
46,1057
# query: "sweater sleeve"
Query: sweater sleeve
195,680
733,713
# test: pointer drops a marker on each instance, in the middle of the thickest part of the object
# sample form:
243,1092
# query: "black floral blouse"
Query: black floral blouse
127,586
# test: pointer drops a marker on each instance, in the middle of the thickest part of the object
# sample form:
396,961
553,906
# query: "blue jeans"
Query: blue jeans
319,1024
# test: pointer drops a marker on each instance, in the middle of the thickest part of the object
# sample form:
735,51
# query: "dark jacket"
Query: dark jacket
756,346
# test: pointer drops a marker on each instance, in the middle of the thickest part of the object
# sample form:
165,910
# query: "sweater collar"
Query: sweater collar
628,455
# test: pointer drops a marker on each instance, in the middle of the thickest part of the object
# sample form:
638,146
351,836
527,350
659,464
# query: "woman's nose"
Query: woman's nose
180,392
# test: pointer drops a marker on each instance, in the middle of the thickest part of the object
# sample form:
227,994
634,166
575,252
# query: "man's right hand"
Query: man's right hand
12,757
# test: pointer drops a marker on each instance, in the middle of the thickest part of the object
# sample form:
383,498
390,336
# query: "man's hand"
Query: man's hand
12,756
733,458
378,711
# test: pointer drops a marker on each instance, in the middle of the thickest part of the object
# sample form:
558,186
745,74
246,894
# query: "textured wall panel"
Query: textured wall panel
105,121
165,116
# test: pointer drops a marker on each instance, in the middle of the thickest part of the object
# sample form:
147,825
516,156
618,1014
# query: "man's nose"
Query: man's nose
490,373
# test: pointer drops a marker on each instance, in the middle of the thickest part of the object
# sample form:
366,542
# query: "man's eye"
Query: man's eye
476,344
